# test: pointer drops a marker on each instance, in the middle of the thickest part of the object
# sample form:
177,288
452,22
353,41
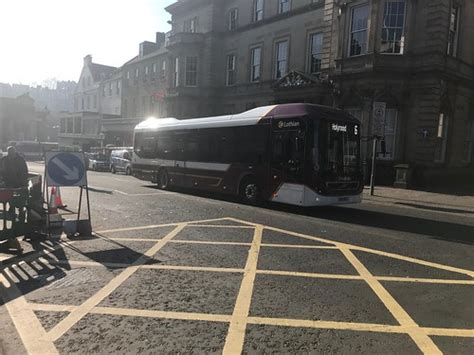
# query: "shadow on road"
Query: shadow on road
47,261
448,231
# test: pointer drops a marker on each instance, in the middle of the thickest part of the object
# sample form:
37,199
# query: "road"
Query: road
178,272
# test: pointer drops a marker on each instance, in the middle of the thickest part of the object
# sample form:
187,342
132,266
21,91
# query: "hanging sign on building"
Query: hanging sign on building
65,169
378,118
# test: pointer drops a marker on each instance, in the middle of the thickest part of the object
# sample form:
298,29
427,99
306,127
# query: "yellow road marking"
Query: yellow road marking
299,246
118,239
377,252
310,275
28,326
415,261
161,314
192,268
46,307
283,322
181,241
302,323
236,334
75,316
424,280
449,332
220,226
127,229
422,340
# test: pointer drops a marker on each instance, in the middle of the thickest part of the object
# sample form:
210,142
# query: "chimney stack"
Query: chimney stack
87,59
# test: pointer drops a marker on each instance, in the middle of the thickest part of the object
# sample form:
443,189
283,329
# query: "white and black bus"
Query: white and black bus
299,154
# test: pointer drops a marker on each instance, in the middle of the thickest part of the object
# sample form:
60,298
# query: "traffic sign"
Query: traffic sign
65,169
378,121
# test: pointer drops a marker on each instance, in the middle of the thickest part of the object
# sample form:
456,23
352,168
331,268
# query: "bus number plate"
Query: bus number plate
343,199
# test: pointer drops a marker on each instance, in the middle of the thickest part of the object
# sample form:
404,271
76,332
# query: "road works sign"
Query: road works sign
65,169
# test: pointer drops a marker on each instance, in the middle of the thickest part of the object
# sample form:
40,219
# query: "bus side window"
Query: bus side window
164,147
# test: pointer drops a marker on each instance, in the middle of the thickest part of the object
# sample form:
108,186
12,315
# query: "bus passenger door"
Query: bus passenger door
179,169
288,157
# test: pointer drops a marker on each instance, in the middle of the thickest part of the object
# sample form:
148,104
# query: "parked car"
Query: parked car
121,160
97,161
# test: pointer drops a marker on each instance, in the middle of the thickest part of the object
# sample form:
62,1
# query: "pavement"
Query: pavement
463,204
181,272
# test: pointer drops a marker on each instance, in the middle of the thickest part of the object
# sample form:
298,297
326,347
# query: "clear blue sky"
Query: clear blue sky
42,39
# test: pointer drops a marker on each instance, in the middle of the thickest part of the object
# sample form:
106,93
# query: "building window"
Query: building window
389,132
110,89
137,72
154,68
257,10
146,70
62,125
230,80
316,52
176,72
128,74
283,6
281,59
393,25
453,31
190,25
255,64
163,68
359,30
119,86
88,102
468,145
441,139
233,18
191,71
94,101
77,122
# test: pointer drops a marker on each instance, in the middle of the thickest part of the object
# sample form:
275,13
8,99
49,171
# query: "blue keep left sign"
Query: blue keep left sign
65,169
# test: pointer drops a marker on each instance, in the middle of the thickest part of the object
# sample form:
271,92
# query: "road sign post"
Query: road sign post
68,169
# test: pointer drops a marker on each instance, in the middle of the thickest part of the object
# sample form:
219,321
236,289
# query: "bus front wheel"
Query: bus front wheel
163,180
250,191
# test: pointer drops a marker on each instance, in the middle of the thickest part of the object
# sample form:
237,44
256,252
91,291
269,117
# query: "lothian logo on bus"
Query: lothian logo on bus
289,124
338,128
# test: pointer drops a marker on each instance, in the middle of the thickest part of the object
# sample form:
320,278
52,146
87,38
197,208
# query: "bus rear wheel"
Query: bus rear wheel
250,191
128,171
163,180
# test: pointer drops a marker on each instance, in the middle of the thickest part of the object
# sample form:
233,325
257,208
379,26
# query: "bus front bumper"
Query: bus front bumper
300,195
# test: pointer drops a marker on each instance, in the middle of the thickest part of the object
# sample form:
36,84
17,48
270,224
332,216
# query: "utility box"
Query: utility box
402,176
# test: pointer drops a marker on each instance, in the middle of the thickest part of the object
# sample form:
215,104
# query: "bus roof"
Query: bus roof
247,118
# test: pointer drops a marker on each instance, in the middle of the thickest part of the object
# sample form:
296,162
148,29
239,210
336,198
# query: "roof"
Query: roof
246,118
97,70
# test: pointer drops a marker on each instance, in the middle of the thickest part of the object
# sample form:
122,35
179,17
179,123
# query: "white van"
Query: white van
121,160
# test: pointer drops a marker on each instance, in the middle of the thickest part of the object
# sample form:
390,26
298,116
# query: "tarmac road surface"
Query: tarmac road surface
175,272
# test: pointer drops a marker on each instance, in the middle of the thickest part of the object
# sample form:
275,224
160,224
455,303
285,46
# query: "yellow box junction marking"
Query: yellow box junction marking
36,340
236,334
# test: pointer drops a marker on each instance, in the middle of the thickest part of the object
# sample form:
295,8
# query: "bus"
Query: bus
298,154
34,150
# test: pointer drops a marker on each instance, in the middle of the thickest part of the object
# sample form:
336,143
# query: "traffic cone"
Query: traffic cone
58,200
54,216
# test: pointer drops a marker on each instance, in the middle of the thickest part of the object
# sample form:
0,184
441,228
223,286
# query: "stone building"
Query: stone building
82,128
404,67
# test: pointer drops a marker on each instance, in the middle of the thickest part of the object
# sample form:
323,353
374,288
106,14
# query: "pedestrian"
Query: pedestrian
15,170
15,176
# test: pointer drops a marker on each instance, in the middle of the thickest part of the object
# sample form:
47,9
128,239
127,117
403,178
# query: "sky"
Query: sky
45,39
